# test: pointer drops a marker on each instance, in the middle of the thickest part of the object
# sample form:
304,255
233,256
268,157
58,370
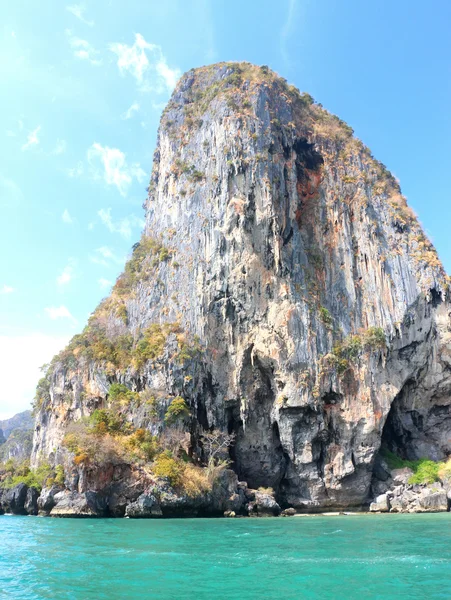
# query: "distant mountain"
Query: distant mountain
22,420
16,436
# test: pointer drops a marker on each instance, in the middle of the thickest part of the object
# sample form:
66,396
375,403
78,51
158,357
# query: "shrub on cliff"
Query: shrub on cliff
168,467
177,411
92,443
142,445
104,421
119,393
184,476
424,470
374,338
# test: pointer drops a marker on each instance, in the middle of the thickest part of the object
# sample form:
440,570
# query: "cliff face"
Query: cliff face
16,436
282,287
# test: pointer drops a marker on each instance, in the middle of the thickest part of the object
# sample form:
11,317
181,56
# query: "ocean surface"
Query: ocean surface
375,556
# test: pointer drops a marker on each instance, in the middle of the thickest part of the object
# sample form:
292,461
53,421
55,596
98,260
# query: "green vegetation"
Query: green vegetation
42,394
119,393
326,317
119,351
147,254
177,411
424,470
105,420
349,350
374,338
167,466
142,445
44,475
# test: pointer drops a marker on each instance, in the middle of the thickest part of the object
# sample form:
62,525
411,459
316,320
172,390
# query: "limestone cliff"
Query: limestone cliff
282,287
16,436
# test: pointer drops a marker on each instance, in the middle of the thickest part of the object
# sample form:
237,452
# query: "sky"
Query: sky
83,86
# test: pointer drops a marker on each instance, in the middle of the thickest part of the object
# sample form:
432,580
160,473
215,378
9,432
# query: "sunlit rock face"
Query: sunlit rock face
311,307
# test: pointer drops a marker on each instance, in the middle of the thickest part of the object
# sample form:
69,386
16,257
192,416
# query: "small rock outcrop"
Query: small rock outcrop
14,500
264,504
74,504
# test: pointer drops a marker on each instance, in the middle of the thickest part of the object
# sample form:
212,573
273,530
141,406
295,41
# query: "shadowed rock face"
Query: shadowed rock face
282,238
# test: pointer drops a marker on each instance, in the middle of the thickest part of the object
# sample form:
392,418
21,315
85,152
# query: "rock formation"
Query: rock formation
282,289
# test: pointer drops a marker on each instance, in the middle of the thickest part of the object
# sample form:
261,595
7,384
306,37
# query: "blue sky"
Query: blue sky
83,87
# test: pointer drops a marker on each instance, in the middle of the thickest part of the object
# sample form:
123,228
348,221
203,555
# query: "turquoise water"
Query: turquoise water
384,557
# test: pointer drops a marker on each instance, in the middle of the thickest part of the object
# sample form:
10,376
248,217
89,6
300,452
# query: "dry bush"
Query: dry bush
195,481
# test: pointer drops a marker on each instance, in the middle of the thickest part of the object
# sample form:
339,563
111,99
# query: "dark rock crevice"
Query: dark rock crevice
258,456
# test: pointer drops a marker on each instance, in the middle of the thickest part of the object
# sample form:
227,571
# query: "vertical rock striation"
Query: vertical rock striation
282,287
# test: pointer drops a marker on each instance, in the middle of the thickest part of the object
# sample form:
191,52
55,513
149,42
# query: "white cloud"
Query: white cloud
105,256
67,274
129,112
97,260
153,74
60,147
32,139
76,171
116,170
66,217
105,252
78,10
104,283
59,312
21,357
287,30
90,226
83,49
6,289
10,192
123,226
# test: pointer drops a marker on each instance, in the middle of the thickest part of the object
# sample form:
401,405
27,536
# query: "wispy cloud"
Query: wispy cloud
147,64
67,274
105,283
32,139
66,217
106,257
60,312
10,192
83,49
76,171
287,30
60,147
123,226
130,112
78,10
116,171
6,289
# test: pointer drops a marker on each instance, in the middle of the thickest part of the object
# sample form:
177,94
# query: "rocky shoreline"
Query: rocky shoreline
228,497
126,498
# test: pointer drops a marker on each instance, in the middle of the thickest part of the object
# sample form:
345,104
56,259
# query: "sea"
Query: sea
332,557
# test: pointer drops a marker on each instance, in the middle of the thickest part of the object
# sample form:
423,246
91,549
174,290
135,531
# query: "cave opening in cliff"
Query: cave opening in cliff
257,454
396,436
306,155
